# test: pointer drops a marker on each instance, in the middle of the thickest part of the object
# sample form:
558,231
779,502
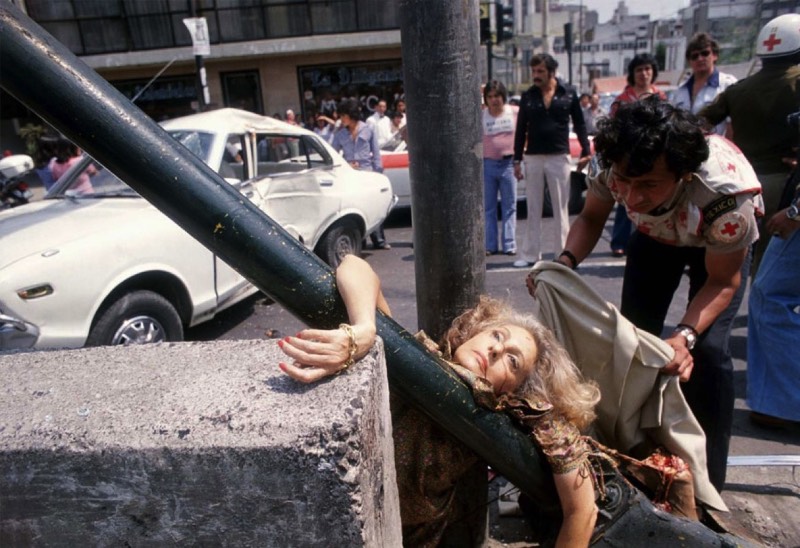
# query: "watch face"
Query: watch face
792,212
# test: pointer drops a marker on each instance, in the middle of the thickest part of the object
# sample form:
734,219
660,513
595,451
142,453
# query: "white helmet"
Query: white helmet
779,37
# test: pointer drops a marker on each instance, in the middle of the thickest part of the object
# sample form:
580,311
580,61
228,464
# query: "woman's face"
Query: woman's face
503,355
494,100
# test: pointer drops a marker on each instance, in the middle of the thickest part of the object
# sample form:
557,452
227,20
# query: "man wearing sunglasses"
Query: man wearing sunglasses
705,81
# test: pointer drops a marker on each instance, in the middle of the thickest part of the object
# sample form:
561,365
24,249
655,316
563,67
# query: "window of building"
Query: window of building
242,90
89,27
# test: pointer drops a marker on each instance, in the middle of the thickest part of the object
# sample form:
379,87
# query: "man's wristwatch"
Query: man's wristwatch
687,332
793,212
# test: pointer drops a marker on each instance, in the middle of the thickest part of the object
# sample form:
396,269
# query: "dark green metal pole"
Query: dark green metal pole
35,68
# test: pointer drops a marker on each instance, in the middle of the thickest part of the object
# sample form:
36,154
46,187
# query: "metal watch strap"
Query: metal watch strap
687,332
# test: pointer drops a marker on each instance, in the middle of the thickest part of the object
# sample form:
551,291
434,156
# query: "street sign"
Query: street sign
198,28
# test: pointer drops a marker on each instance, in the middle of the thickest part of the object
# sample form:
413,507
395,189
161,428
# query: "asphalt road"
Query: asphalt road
764,500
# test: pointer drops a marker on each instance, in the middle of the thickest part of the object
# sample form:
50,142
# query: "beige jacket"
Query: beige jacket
639,408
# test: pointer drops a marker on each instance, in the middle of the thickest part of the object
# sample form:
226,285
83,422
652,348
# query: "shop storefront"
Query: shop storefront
322,87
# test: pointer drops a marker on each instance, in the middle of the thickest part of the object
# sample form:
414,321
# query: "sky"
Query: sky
657,9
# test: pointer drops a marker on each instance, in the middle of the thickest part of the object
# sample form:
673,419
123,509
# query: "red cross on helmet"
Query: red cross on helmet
779,37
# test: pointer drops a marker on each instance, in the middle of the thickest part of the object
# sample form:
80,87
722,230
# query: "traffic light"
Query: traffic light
504,18
568,37
486,24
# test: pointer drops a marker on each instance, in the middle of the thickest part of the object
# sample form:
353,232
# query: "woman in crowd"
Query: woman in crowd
67,154
512,363
642,73
499,121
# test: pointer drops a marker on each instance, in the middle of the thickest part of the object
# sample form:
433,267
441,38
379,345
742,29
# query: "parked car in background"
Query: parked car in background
93,263
394,155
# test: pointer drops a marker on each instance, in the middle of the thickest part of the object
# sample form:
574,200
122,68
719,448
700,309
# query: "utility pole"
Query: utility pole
545,24
441,71
441,52
580,45
198,28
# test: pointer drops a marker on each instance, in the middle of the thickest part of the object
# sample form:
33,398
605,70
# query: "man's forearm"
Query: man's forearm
708,304
583,236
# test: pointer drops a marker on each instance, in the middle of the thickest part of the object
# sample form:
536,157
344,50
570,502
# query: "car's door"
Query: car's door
295,183
235,167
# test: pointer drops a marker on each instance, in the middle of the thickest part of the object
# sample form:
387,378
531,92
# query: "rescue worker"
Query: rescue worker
758,106
693,199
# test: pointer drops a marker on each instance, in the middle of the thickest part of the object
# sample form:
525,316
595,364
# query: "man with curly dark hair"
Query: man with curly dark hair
693,199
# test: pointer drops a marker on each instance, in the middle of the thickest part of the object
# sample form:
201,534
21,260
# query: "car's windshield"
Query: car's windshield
396,144
197,141
88,179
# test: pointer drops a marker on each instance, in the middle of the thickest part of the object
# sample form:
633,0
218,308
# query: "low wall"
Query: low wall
193,443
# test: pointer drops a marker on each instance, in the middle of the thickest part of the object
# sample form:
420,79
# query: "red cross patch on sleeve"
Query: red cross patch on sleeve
729,228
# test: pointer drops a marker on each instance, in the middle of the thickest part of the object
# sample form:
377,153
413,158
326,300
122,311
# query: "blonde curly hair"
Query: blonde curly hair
554,378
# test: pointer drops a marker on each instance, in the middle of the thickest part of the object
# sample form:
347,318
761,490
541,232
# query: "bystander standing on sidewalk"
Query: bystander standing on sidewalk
499,120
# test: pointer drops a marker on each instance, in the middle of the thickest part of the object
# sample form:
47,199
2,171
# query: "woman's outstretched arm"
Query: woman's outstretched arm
576,493
319,353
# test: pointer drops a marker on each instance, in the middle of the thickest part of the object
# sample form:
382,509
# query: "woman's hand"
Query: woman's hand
780,225
321,353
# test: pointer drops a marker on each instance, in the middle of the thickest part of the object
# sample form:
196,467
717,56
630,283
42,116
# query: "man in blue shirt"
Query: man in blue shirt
358,143
543,123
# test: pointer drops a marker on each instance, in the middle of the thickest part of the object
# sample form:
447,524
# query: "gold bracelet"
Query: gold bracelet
353,344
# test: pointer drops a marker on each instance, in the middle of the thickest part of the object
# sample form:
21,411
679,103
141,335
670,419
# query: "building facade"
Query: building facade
266,56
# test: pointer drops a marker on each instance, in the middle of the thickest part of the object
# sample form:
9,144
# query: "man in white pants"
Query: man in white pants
543,123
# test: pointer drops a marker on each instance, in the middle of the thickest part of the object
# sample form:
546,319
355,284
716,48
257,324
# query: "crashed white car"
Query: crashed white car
93,263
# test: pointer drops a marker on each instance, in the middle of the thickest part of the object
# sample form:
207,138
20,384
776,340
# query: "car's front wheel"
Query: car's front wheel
138,317
340,240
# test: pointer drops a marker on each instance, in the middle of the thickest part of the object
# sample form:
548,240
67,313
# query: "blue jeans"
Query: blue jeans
653,272
498,176
773,329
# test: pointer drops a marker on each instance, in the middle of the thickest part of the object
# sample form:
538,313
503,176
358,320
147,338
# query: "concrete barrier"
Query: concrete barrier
193,443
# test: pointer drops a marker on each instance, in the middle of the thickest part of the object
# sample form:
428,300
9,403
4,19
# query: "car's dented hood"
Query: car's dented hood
51,224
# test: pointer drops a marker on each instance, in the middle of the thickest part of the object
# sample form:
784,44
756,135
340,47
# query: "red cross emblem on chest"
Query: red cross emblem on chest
771,42
730,229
